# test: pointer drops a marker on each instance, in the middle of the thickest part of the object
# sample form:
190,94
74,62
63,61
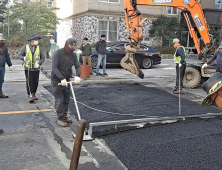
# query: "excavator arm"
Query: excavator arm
134,23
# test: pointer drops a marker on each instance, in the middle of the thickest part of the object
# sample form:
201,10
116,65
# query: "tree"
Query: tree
165,27
2,10
32,17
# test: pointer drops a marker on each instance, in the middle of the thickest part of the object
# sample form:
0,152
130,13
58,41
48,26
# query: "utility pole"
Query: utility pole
8,6
8,25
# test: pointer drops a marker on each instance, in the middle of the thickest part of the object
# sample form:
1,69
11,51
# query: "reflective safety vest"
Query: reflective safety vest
177,59
31,60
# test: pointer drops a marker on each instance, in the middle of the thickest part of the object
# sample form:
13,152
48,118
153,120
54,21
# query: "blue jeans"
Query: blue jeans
103,59
2,75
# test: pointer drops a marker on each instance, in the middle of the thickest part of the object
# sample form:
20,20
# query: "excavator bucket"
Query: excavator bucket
129,62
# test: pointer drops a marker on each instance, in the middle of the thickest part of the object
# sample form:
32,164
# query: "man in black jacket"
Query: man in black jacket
4,58
62,62
101,49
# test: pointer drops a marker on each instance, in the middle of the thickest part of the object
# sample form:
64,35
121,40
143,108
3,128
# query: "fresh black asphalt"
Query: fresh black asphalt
191,144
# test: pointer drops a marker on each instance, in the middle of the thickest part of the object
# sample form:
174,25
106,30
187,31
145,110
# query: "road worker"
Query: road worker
4,58
218,57
180,61
33,56
62,62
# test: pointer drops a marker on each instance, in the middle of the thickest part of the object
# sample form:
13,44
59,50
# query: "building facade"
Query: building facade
92,18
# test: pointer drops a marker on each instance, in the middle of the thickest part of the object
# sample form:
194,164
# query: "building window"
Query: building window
146,38
108,28
109,1
49,4
172,11
218,4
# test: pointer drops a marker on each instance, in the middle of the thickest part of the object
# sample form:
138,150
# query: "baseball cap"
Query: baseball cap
175,40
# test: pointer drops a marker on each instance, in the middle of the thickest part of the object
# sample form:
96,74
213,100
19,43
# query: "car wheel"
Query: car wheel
191,77
147,63
94,61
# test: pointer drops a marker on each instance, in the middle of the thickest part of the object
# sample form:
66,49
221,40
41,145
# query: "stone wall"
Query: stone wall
87,26
13,53
64,31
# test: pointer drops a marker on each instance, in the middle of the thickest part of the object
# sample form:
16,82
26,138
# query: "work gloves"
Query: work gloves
179,64
25,59
64,83
36,65
204,66
76,79
10,68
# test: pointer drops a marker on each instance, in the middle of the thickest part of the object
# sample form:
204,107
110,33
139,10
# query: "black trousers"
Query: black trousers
180,71
32,81
62,98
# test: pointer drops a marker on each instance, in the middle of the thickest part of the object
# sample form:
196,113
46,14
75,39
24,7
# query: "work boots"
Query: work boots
68,120
1,131
177,91
31,99
62,122
2,95
34,96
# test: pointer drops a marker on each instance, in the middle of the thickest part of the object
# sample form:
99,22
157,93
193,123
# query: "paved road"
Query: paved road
34,141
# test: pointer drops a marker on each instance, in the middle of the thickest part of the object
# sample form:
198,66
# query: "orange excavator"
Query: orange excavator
191,10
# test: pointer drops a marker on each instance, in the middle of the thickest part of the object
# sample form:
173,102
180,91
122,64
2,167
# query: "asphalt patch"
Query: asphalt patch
192,144
110,102
188,145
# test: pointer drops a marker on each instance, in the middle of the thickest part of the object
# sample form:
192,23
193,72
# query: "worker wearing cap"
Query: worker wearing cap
4,58
62,62
180,61
218,57
33,56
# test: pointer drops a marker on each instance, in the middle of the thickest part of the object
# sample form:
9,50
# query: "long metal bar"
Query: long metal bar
77,145
91,125
74,98
180,89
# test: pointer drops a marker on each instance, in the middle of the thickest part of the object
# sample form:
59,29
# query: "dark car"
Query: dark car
145,56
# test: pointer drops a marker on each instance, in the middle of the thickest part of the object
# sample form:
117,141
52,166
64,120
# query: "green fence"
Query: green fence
53,47
73,68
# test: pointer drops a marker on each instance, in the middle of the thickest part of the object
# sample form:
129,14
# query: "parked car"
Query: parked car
145,56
